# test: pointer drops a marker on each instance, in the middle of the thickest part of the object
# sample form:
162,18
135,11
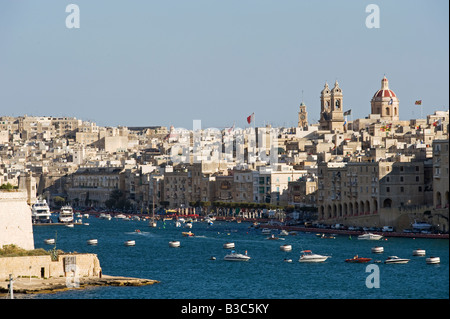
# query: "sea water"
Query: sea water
188,272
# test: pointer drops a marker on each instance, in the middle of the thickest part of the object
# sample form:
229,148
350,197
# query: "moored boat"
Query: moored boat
49,241
286,247
433,260
357,259
92,241
228,245
396,260
377,250
233,256
187,234
40,212
66,214
174,244
309,256
370,236
419,252
130,243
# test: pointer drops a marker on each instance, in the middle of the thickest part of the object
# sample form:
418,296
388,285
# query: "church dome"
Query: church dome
384,92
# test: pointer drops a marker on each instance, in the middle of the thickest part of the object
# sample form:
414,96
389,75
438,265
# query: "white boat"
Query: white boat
284,233
421,225
177,224
120,216
66,214
105,216
86,215
174,244
309,256
286,260
233,256
130,243
228,245
286,247
377,250
433,260
419,252
396,260
370,236
40,212
92,241
265,231
70,225
49,241
188,225
152,223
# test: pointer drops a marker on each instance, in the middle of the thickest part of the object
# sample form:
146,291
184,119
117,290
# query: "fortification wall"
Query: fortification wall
15,220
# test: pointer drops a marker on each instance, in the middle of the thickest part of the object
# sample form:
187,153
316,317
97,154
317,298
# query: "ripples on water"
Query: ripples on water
188,273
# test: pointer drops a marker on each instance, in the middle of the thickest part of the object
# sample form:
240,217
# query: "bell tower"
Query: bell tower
325,107
303,116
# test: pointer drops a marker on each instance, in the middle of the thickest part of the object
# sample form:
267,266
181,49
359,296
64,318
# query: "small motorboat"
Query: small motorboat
265,231
357,259
92,241
212,258
228,245
130,243
370,236
234,256
286,247
396,260
419,252
70,225
309,256
174,244
274,238
286,260
187,234
284,233
49,241
377,250
433,260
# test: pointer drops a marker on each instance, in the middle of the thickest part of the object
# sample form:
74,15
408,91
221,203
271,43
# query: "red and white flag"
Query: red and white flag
251,118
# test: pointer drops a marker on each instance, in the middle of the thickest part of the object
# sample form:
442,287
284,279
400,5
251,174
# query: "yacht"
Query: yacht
92,241
233,256
370,236
40,212
66,214
309,256
396,260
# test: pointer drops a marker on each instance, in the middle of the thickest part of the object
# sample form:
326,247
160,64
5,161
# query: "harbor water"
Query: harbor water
189,272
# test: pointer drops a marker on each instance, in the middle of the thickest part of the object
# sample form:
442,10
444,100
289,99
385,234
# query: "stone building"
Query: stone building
331,108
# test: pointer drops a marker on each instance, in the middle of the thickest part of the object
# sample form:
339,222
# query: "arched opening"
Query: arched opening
438,200
387,203
388,111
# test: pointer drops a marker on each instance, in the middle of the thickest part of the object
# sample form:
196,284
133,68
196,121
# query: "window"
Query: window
388,189
402,189
417,178
401,178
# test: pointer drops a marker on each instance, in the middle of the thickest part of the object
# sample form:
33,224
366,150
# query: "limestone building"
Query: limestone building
303,116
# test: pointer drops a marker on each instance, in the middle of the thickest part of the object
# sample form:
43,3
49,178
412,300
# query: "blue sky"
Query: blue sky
137,63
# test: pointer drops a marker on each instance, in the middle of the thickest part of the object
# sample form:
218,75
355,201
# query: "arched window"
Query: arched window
388,111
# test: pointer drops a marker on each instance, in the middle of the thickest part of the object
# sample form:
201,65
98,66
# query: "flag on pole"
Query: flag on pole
349,112
251,118
418,102
231,128
391,101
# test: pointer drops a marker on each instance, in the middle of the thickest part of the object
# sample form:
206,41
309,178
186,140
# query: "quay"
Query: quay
355,232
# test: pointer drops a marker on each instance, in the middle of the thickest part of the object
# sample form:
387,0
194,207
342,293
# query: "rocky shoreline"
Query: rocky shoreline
52,285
